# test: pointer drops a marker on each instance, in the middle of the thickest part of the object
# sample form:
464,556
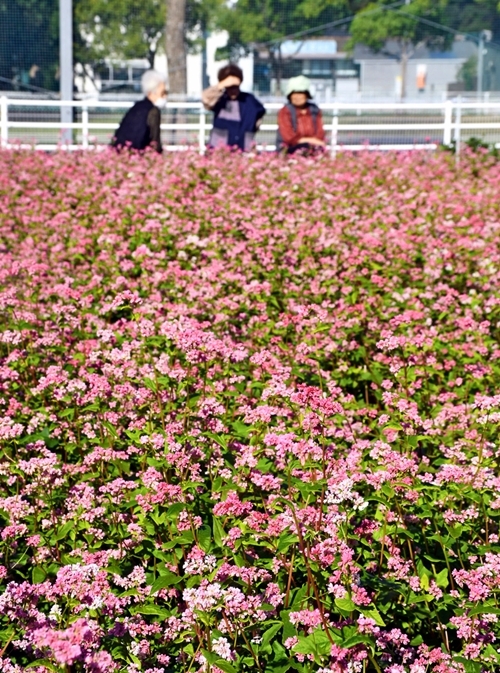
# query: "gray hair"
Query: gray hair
150,80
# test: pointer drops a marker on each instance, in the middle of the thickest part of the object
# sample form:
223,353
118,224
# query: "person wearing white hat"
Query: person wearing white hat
300,124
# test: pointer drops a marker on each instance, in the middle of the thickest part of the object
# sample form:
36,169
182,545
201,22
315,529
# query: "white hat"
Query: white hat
298,84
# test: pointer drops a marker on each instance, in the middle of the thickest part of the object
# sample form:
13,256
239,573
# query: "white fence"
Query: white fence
352,126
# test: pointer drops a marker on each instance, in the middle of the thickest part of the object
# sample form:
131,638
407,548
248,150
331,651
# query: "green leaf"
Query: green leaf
456,530
355,640
63,531
424,581
211,657
175,509
185,538
270,633
149,383
442,578
484,610
345,604
285,541
299,596
153,610
317,644
289,629
110,428
205,538
67,413
469,666
219,532
241,429
38,575
281,669
216,438
490,652
374,614
165,580
43,662
224,666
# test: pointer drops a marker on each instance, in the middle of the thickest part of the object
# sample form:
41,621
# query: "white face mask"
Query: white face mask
161,102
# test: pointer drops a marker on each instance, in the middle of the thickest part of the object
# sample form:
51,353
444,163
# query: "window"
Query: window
318,67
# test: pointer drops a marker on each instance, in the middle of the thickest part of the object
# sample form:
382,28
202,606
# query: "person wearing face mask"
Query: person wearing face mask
237,114
140,127
300,124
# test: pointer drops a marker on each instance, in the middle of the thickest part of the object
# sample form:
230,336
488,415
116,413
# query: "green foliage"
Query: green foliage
121,29
375,25
265,23
467,73
125,29
29,32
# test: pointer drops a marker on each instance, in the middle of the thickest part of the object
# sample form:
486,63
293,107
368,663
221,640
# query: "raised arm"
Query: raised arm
210,97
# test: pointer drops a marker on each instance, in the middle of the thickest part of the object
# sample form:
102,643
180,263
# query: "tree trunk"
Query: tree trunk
175,46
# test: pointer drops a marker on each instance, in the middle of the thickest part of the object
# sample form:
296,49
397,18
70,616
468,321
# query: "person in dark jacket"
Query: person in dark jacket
237,114
140,127
300,124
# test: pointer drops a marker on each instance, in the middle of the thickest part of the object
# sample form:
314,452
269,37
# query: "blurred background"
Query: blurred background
353,51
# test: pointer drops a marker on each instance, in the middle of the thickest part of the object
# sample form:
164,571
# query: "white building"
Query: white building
124,76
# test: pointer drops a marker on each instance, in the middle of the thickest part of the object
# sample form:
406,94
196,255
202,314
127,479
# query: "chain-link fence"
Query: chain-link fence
431,59
115,41
29,46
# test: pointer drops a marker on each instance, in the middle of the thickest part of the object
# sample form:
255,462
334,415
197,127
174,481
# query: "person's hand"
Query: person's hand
312,141
232,80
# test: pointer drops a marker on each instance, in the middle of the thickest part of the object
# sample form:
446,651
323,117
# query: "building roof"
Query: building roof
325,47
461,49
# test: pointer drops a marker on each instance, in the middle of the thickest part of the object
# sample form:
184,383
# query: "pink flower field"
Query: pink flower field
249,413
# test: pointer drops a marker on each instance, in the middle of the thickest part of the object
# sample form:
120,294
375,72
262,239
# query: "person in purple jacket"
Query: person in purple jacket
237,114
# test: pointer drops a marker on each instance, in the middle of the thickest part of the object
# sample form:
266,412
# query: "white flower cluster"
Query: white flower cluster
221,647
199,566
343,492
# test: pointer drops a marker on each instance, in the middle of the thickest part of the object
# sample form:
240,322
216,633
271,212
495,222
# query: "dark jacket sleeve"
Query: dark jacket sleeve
154,120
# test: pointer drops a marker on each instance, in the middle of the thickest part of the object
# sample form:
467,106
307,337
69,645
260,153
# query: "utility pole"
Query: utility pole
66,66
204,70
484,36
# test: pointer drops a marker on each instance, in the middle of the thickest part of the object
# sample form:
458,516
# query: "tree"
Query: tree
125,29
472,16
120,29
397,32
468,73
264,24
186,27
175,45
29,35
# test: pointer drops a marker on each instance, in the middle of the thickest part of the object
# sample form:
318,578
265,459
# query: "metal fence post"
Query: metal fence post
201,132
458,129
4,122
448,118
335,132
85,127
66,67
